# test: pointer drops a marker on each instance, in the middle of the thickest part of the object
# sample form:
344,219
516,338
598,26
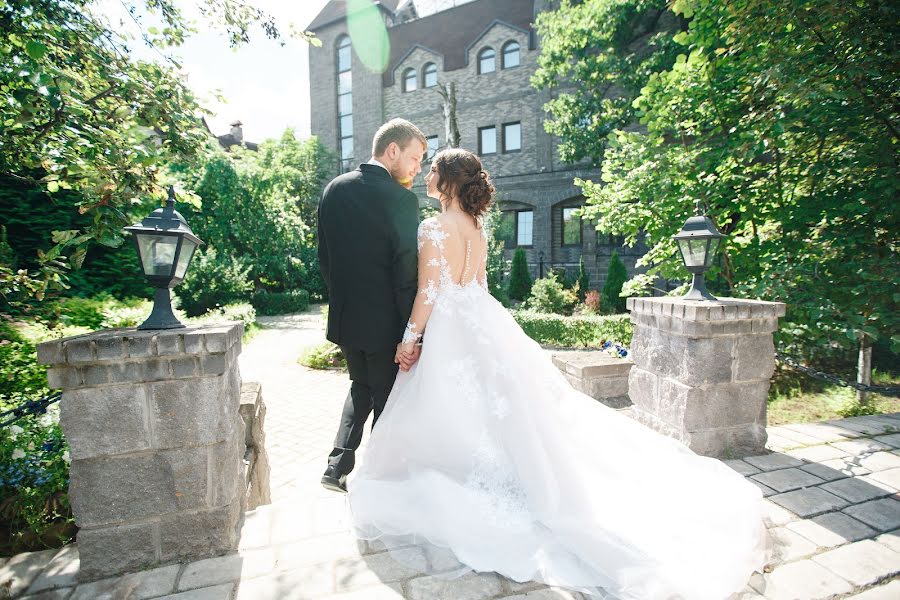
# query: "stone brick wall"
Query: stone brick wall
156,440
701,371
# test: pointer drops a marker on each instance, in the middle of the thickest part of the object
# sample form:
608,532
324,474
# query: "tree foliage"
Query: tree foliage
82,119
595,57
259,207
781,119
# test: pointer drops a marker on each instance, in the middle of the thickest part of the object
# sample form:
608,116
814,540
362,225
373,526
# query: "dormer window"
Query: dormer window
429,75
410,81
487,61
510,55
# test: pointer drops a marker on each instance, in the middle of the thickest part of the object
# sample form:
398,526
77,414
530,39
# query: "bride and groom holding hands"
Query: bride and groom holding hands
484,458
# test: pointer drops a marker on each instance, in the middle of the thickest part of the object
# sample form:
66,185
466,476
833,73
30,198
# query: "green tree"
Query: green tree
79,113
494,226
255,206
519,277
596,55
583,280
790,144
616,276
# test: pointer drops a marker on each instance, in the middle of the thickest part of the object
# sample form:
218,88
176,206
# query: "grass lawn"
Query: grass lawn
795,400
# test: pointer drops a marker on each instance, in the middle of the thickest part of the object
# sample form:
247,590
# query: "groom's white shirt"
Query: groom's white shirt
375,161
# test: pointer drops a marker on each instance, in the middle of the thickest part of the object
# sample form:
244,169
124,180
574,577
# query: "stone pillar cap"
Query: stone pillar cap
129,342
721,309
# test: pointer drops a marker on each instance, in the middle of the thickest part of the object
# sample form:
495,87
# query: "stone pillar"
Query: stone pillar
701,371
156,440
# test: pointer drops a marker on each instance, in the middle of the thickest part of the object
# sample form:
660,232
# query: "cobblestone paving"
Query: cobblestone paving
831,488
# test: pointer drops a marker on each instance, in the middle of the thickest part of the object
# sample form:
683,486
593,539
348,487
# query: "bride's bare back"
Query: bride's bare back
452,252
465,247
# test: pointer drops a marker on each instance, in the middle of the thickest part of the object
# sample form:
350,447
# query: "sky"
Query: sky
266,86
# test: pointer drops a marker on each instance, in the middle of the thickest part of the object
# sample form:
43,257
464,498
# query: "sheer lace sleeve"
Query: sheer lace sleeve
432,266
481,274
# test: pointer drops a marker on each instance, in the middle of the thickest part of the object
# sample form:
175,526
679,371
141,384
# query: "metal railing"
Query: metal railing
29,407
887,390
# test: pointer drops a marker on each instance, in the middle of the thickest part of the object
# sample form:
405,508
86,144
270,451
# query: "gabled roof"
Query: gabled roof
450,32
336,10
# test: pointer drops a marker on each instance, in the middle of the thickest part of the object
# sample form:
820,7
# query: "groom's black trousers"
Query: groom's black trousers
372,375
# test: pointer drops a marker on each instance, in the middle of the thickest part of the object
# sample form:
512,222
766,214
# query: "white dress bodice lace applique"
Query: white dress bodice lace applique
436,271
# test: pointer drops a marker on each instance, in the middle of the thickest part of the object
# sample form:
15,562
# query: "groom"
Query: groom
368,220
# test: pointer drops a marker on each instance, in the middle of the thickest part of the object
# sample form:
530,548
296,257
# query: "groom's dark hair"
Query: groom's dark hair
400,131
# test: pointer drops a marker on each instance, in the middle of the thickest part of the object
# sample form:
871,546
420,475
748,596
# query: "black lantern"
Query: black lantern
698,241
165,246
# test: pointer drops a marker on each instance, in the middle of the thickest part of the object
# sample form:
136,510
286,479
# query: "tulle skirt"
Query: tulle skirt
486,459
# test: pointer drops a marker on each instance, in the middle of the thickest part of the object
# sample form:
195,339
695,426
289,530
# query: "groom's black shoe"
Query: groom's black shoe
333,480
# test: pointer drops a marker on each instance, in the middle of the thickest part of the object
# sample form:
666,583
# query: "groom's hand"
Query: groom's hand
407,355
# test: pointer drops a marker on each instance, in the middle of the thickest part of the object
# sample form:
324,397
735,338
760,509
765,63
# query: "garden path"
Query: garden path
833,496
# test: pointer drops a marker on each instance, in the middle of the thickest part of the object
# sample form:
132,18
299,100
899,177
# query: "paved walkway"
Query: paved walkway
832,495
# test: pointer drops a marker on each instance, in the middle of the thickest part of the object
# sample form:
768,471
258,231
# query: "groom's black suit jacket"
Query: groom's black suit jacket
367,254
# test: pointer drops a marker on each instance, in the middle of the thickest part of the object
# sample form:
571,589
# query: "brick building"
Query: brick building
489,50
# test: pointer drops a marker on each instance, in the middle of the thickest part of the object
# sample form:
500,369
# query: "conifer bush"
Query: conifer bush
519,278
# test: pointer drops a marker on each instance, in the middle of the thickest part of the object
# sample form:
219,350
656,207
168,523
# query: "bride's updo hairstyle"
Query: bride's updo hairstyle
460,174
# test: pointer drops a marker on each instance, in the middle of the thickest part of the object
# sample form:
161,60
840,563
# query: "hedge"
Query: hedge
577,330
280,303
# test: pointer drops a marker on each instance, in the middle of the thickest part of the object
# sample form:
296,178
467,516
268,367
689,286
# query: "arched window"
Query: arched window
486,61
410,81
511,55
429,75
345,103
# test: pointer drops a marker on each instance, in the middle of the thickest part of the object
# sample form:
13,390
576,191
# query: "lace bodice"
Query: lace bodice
450,260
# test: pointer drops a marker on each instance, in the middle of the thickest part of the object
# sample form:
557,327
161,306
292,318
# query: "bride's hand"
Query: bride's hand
407,354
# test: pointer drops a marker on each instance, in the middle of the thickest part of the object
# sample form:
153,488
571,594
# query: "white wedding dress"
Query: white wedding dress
486,459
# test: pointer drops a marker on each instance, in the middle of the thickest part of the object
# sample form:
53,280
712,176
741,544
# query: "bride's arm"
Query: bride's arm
431,243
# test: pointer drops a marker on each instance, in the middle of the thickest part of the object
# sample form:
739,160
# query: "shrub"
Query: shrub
34,469
241,311
582,330
519,278
616,276
323,356
592,302
549,296
129,314
280,303
213,280
583,281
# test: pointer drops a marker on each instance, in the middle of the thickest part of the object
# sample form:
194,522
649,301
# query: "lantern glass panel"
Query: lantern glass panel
187,251
713,247
157,253
693,251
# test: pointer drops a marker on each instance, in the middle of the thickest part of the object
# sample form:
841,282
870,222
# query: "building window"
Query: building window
524,227
410,81
429,75
571,227
343,61
486,61
510,55
433,144
345,103
512,137
609,239
487,140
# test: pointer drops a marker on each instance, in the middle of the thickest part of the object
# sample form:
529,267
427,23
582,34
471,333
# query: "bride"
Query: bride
486,459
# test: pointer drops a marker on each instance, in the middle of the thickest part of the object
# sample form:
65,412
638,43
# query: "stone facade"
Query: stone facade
157,443
532,178
701,371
